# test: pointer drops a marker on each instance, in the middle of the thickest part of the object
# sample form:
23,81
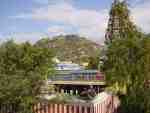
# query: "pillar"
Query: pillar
65,109
60,108
80,109
39,108
51,108
92,109
70,109
74,109
56,108
85,109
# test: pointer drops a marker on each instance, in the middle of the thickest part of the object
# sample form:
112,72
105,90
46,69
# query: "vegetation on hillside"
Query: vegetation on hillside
71,48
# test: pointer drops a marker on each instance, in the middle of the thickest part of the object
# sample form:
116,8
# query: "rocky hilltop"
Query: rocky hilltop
71,47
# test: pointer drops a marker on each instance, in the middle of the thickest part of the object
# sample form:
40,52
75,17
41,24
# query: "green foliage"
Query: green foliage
67,98
93,63
23,67
127,65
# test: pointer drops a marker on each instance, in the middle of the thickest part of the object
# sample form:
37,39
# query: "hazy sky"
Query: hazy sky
29,20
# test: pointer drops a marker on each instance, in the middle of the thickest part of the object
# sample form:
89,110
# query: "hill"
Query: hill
71,48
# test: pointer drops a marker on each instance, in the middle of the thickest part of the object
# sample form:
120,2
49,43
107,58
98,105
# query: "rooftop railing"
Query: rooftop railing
77,78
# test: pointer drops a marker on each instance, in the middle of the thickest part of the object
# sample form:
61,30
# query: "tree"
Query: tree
23,67
93,62
127,64
127,68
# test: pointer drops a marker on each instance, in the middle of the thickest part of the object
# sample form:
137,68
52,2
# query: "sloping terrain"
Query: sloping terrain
71,48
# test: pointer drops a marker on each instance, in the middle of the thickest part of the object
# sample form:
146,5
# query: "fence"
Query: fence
62,108
103,103
4,108
100,105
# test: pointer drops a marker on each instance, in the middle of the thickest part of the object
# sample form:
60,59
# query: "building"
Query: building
82,91
77,91
78,81
67,66
119,22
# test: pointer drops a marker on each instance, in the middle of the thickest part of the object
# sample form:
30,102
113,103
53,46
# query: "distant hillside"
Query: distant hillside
71,48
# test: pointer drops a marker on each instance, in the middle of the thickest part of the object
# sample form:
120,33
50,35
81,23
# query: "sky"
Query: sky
31,20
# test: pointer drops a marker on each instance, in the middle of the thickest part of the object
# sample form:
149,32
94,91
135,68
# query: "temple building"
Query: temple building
70,77
82,82
78,90
119,23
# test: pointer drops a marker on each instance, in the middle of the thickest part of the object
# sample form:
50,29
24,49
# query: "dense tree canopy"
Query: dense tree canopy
127,65
23,67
